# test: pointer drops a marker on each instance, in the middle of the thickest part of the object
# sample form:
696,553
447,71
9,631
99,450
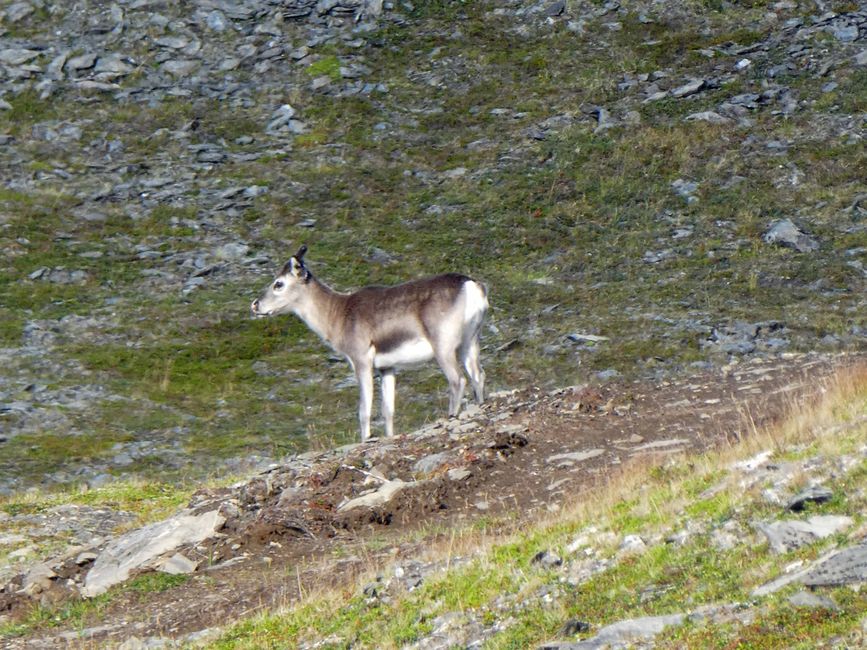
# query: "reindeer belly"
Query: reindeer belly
408,352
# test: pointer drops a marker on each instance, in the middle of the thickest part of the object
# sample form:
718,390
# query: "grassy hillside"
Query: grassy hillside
549,155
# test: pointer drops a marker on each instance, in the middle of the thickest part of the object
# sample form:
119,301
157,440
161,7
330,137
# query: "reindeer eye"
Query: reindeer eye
278,285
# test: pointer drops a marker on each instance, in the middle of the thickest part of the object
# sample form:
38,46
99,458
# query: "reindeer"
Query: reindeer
386,328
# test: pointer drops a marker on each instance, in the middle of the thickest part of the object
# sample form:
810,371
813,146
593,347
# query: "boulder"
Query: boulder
786,233
138,549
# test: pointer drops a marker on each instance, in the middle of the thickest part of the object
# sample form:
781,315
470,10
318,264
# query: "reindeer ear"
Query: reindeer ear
295,265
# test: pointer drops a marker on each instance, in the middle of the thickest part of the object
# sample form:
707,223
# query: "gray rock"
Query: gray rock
17,56
178,564
459,474
622,633
556,8
113,64
139,548
211,156
671,443
18,11
788,535
232,251
172,42
38,579
431,463
786,233
816,494
547,559
604,120
180,67
280,118
848,566
810,600
54,70
380,497
81,62
216,21
575,456
688,89
685,189
846,32
712,117
632,545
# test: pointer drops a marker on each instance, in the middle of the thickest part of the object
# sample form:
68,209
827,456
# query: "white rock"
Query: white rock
138,548
575,456
178,564
712,117
790,534
380,497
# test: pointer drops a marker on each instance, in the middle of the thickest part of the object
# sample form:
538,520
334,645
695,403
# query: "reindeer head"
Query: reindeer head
285,291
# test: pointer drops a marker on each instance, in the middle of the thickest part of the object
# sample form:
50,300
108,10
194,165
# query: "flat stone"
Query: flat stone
459,474
622,633
85,556
810,600
112,63
786,233
180,67
17,56
788,535
848,566
663,444
18,11
685,189
178,564
232,251
173,42
81,62
320,82
846,33
711,117
575,456
688,89
380,497
138,548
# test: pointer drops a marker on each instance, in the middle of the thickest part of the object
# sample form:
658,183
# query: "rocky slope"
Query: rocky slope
650,190
524,455
654,187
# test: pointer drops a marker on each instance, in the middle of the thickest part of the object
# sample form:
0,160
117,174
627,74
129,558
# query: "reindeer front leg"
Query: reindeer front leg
387,388
364,373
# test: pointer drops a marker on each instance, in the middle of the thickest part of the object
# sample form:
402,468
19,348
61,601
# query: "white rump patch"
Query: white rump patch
408,353
476,302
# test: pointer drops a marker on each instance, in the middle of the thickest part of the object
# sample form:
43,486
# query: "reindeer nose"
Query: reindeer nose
255,306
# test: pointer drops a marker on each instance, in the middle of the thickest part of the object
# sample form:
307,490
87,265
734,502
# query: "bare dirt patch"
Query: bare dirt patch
525,453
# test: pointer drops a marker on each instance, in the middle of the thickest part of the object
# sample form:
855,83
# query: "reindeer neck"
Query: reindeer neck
321,310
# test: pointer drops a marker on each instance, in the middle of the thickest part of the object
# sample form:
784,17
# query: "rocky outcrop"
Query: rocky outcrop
137,550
